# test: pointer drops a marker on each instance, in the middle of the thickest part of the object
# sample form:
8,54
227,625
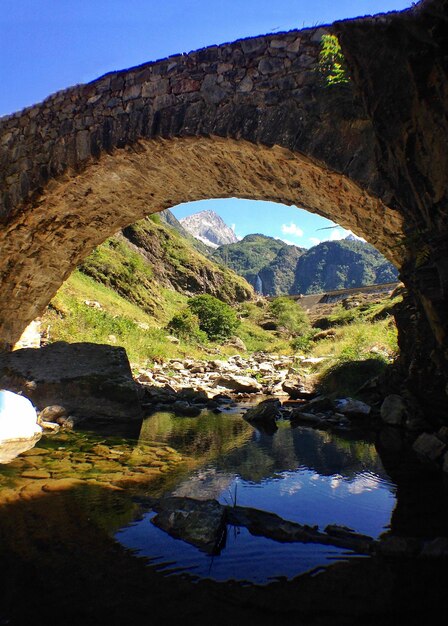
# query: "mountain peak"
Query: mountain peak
210,228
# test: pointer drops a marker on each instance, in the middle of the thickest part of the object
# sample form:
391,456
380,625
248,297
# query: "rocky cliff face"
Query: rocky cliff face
209,228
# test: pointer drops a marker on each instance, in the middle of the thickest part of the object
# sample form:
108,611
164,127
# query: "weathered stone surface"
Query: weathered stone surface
429,446
294,388
411,139
199,522
210,102
10,449
89,380
393,410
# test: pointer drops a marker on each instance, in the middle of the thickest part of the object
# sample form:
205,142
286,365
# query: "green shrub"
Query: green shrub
288,314
332,62
217,319
185,325
304,342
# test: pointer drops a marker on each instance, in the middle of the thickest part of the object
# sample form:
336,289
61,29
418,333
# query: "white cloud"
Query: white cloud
292,229
314,240
338,233
289,243
232,226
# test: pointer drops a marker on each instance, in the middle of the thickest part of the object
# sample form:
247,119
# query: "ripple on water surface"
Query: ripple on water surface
302,475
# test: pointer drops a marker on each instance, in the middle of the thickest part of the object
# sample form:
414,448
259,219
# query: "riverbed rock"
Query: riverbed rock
393,410
198,522
293,387
236,342
89,380
52,413
435,549
240,384
353,408
266,411
399,547
181,407
307,418
429,447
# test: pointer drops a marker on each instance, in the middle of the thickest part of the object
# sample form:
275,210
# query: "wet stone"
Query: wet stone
36,473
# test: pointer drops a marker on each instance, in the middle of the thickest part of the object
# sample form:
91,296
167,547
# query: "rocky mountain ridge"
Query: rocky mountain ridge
209,228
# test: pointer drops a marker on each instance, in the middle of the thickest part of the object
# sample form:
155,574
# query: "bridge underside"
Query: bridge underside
46,243
250,119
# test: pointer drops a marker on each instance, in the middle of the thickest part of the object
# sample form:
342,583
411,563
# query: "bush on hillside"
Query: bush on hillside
185,325
217,319
289,315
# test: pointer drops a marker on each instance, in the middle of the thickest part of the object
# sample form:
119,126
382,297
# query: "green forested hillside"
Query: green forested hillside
258,255
341,265
275,268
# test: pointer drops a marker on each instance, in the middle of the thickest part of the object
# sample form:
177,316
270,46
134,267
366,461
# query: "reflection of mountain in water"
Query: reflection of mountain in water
289,449
205,436
228,444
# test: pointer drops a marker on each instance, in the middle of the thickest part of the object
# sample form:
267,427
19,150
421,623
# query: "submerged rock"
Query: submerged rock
353,408
199,522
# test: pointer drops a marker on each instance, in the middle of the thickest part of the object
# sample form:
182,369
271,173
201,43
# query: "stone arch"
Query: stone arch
120,188
251,119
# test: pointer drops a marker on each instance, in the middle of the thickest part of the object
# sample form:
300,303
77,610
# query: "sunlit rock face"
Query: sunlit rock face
249,119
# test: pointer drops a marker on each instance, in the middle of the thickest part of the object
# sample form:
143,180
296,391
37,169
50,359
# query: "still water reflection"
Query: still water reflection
303,475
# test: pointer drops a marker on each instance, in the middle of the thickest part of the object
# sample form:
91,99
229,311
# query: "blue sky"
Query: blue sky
47,45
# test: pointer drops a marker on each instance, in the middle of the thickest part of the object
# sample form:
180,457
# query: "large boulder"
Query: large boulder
89,380
18,417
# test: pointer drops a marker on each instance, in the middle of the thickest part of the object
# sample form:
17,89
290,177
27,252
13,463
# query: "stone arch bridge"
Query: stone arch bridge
250,119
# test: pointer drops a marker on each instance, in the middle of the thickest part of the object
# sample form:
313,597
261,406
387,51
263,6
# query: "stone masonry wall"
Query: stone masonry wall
249,119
